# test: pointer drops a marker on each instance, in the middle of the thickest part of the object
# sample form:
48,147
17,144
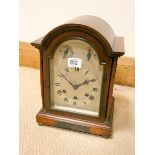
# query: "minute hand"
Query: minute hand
68,81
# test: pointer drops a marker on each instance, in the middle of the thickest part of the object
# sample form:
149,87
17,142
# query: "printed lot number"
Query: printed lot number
74,62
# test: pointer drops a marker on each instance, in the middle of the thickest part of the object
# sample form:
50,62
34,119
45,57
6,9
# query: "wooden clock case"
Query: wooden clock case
100,35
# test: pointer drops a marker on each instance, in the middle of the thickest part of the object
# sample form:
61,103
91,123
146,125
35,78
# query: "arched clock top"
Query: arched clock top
97,24
94,26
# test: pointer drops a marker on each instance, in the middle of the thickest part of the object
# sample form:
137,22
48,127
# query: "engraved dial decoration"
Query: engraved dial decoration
76,78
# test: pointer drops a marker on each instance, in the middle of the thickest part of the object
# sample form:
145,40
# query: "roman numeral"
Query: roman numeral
64,91
66,99
86,94
66,69
57,84
93,80
86,72
76,69
59,75
75,98
95,89
91,97
84,102
74,103
59,92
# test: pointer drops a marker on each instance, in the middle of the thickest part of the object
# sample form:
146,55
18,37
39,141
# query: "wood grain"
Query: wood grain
125,71
100,129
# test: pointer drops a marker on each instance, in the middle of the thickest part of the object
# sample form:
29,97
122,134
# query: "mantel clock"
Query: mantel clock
77,69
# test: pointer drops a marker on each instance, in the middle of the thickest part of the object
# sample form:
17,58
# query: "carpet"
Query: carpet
43,140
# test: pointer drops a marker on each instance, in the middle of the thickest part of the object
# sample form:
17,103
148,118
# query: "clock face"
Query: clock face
76,78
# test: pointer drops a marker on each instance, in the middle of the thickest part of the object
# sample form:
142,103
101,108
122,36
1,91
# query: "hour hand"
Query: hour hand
85,82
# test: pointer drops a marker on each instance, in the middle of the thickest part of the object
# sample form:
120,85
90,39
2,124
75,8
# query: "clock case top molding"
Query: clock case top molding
109,47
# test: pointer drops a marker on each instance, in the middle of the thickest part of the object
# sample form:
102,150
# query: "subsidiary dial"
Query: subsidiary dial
66,51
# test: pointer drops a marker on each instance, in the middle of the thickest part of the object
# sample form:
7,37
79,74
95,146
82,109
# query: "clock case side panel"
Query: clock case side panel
42,80
48,54
110,103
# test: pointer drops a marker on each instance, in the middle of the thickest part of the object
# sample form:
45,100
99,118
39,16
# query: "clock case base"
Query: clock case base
101,129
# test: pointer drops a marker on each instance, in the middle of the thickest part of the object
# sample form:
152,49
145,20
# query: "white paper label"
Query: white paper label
74,62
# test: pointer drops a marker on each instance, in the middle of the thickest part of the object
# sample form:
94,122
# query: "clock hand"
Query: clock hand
85,82
74,86
65,53
89,54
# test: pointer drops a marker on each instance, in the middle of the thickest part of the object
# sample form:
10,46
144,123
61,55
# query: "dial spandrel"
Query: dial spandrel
76,89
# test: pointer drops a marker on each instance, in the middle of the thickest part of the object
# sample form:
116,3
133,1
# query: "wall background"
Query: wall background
37,17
